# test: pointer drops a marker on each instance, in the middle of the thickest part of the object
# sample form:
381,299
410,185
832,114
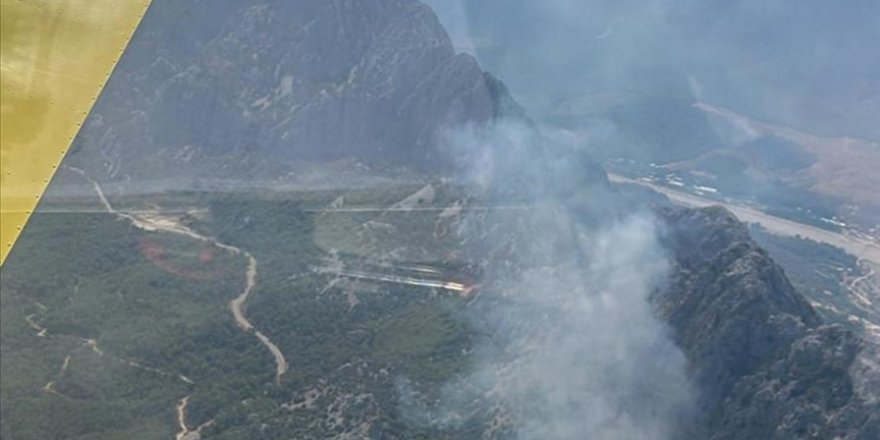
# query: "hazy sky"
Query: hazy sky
808,63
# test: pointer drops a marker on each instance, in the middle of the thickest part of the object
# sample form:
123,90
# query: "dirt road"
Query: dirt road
184,433
156,222
236,305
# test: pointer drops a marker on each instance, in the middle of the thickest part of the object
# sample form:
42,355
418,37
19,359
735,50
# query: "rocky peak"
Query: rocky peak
765,364
265,86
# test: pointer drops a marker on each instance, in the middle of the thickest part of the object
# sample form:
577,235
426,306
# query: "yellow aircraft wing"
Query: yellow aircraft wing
55,56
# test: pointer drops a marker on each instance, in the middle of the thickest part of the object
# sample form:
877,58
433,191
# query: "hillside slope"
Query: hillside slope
766,365
263,88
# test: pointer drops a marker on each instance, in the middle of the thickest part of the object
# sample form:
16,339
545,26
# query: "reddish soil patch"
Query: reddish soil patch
157,253
206,256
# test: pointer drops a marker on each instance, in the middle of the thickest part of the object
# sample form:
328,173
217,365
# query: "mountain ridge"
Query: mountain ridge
254,97
768,367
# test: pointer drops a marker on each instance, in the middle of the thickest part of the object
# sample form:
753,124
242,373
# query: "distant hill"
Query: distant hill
800,63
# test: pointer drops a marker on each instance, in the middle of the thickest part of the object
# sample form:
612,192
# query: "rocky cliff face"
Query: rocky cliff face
765,364
261,87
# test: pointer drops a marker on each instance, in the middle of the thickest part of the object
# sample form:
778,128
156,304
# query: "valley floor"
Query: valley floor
860,248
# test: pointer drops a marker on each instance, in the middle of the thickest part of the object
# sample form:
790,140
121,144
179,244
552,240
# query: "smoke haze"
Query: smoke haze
570,347
797,63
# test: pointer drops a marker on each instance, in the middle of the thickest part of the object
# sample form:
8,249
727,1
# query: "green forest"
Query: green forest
106,327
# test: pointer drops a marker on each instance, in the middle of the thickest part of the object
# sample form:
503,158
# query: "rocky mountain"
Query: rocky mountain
766,365
260,88
269,90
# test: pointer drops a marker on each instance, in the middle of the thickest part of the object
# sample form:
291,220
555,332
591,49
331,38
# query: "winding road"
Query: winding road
184,432
156,222
236,305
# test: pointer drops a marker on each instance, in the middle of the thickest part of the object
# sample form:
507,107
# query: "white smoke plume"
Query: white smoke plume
571,348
